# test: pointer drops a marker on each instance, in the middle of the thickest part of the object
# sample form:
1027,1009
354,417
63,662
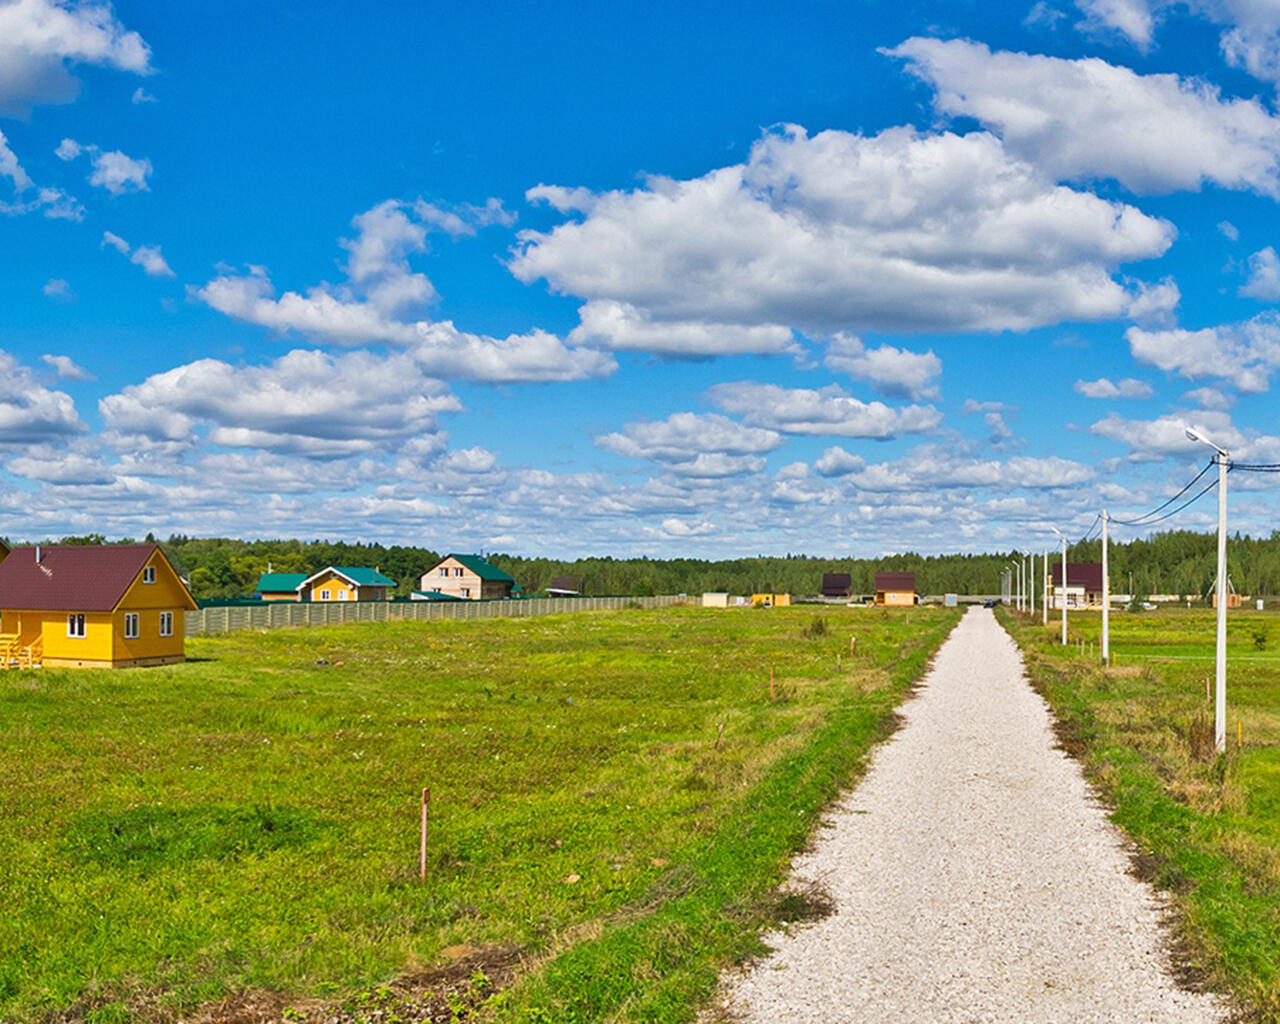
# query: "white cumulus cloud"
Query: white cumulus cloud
896,372
840,232
30,413
41,39
1244,353
827,411
148,257
1103,387
1087,119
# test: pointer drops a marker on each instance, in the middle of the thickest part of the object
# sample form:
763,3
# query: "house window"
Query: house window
166,623
324,595
149,574
444,572
343,595
466,591
75,625
131,625
457,572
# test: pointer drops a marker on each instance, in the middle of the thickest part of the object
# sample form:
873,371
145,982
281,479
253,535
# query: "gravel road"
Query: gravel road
975,877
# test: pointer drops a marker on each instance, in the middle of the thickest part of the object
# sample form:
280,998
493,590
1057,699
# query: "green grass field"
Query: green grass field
1209,825
244,828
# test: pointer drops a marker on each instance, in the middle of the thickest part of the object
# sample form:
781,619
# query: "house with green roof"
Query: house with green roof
468,577
279,586
346,583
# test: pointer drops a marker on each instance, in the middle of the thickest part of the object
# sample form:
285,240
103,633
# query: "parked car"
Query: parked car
991,602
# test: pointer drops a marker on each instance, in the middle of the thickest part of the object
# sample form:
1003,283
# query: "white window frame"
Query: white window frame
75,625
457,572
166,623
343,595
132,624
444,571
324,595
148,574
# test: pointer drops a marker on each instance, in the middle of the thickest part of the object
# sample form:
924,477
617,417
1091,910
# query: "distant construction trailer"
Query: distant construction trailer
715,599
896,589
837,584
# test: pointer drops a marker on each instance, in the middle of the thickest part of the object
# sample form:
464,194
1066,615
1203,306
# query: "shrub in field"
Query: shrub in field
817,627
1260,633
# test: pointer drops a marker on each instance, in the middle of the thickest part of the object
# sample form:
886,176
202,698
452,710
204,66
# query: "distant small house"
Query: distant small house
346,583
91,606
565,586
715,599
1084,585
837,584
280,586
771,600
469,577
895,588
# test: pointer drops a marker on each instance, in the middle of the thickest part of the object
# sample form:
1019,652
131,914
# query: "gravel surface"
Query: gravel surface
975,877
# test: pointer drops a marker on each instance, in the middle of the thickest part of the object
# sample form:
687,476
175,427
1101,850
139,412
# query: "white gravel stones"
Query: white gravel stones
975,877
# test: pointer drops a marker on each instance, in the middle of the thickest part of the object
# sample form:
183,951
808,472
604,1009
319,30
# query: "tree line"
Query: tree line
1178,562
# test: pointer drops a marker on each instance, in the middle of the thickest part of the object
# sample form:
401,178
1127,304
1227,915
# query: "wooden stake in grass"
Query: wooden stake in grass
422,848
719,734
770,686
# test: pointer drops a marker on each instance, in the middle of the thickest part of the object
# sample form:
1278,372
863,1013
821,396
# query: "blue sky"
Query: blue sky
844,278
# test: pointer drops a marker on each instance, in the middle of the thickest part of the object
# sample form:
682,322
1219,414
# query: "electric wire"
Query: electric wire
1256,467
1186,504
1142,520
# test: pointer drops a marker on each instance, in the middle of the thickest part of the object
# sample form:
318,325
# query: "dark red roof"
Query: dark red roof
1079,574
896,581
74,578
836,584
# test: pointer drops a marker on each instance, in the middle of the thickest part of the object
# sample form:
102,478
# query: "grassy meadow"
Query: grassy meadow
614,797
1208,825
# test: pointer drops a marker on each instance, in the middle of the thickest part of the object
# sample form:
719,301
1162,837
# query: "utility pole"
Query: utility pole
1044,604
1062,592
1220,689
1031,579
1106,596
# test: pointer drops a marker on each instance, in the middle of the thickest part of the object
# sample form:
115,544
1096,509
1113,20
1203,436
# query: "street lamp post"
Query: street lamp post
1062,594
1031,583
1221,457
1106,596
1044,604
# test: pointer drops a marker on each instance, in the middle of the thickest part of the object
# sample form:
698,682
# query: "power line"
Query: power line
1186,504
1141,520
1256,467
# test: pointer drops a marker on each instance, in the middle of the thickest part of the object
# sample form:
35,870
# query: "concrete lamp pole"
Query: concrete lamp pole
1044,604
1106,596
1062,593
1220,689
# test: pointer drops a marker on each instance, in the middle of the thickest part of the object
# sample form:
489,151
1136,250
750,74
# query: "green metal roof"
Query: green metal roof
434,595
363,577
482,568
279,582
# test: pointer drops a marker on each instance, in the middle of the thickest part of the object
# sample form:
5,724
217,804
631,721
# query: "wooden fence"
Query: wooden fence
277,614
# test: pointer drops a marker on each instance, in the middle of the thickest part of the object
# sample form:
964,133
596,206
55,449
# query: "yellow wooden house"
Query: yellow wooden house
107,606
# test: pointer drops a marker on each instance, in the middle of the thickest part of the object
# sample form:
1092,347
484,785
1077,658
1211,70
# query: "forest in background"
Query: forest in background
1176,562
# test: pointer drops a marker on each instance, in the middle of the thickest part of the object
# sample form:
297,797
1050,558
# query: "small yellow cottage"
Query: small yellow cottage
108,606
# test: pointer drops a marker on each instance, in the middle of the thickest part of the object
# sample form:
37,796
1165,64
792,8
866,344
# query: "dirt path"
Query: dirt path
975,877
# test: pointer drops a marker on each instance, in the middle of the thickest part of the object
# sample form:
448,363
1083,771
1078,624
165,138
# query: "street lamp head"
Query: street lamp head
1058,532
1199,438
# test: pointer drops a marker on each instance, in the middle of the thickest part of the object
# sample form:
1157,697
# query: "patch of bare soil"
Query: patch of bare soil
448,993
